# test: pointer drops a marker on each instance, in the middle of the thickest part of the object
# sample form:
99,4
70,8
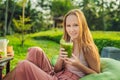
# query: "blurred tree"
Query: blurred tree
33,15
23,24
101,14
22,29
2,6
6,22
91,11
11,11
44,14
60,7
113,16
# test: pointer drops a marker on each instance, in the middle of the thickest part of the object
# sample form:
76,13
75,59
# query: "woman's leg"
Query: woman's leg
67,75
37,56
36,67
26,70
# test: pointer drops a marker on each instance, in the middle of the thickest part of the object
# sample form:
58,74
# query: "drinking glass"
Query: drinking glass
68,46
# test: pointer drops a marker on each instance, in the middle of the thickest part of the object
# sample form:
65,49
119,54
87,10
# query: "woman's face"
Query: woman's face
72,26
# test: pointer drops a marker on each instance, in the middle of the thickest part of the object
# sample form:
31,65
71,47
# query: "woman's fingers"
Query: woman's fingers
62,49
74,56
63,56
64,53
68,61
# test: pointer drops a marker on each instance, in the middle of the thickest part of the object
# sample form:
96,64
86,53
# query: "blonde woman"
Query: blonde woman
85,58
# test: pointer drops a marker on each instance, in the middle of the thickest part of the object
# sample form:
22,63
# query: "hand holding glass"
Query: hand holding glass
68,46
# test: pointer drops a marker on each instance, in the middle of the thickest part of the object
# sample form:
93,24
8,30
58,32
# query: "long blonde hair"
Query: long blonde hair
85,37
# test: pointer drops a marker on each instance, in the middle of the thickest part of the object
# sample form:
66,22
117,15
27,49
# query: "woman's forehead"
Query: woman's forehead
71,18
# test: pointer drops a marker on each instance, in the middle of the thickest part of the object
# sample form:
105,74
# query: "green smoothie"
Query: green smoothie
68,46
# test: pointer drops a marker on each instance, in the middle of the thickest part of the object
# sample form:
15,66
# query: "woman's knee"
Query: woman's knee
23,62
24,65
34,53
35,50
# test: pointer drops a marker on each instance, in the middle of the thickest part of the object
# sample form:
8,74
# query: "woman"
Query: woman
85,58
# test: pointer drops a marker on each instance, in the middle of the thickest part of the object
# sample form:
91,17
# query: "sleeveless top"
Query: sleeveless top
76,70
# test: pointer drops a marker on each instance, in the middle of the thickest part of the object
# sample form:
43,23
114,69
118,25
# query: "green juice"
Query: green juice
68,46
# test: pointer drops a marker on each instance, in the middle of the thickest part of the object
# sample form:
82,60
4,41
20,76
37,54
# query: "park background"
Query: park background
27,23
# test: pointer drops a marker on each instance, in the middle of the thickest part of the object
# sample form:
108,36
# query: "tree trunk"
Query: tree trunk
6,16
23,16
9,25
22,41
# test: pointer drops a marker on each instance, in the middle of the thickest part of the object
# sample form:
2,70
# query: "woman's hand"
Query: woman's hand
75,61
63,54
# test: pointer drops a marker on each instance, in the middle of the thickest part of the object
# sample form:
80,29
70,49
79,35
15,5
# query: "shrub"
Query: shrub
101,39
100,43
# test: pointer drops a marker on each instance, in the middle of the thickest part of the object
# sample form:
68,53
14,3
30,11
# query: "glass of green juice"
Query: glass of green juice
68,46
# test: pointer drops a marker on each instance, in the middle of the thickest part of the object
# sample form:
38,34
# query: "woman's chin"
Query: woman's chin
73,39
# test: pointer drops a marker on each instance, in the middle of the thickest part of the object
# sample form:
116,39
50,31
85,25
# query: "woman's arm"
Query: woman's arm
60,61
84,69
58,66
80,66
92,58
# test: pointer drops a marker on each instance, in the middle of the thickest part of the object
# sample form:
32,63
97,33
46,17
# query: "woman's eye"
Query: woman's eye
75,25
67,25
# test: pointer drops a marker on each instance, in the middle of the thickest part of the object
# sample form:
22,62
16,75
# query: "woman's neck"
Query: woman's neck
76,47
75,42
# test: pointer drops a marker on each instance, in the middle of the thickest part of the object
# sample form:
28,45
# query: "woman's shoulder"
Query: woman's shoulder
88,47
90,51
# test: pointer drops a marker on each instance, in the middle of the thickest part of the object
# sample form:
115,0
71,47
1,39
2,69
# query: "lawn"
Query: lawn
48,46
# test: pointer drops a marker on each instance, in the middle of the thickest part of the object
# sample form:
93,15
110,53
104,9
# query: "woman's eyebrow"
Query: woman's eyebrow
75,24
67,24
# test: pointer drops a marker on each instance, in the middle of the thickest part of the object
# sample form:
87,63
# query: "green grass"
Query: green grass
49,47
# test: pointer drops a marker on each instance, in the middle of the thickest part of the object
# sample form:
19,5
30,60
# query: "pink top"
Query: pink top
76,70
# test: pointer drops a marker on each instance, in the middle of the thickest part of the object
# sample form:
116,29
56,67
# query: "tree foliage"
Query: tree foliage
60,7
19,24
100,14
